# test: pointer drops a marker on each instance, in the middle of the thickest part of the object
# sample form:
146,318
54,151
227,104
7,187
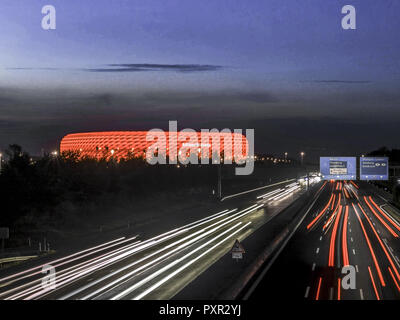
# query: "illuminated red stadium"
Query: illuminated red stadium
124,144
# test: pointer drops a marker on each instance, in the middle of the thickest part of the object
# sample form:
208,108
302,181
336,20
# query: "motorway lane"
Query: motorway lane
155,268
310,265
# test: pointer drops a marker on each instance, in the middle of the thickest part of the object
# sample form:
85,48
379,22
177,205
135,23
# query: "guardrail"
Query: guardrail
256,189
255,272
16,259
5,261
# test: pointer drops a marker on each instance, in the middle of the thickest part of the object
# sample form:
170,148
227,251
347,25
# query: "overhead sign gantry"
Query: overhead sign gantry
338,168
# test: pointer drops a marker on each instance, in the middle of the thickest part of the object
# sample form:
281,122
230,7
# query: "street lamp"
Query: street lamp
286,155
302,154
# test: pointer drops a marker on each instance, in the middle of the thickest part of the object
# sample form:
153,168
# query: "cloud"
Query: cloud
33,69
258,97
135,67
131,67
340,81
215,97
39,118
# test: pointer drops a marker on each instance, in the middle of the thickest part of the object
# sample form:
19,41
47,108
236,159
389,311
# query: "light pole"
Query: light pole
302,154
219,181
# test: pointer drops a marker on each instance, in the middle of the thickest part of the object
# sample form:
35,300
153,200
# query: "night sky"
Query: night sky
283,67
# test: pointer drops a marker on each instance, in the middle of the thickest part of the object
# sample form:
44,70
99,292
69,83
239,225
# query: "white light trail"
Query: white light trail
146,244
162,281
269,193
116,242
130,274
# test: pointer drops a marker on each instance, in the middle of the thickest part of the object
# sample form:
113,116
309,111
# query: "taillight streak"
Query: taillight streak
394,234
344,239
333,239
370,247
320,214
384,214
381,243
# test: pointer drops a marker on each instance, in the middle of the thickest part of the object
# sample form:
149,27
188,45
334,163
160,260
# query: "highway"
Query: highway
350,224
156,268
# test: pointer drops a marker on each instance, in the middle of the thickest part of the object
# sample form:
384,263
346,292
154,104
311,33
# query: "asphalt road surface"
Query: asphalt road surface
156,268
348,225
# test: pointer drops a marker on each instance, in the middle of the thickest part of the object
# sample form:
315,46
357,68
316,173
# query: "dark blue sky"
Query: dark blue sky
284,67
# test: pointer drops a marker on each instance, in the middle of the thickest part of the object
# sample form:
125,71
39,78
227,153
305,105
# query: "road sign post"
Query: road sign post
4,234
219,181
237,255
237,250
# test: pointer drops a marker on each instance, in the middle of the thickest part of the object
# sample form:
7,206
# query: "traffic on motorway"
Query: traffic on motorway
346,249
155,268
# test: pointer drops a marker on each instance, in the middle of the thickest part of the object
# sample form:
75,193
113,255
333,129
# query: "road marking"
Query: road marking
350,229
354,252
320,239
391,253
263,187
307,291
357,268
382,198
265,270
379,231
331,293
317,251
374,224
319,288
361,294
313,266
351,239
394,220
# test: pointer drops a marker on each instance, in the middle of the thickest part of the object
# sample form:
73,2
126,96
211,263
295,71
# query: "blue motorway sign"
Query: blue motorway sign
338,168
374,168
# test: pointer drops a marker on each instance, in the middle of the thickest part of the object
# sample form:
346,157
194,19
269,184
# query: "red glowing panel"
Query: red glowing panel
122,144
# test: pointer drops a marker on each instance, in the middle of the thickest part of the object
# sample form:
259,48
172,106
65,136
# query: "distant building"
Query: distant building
124,144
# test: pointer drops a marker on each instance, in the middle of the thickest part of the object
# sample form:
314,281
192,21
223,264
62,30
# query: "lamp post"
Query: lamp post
302,154
219,181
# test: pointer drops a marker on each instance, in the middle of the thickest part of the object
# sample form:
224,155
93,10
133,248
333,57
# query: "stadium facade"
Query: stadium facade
125,144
